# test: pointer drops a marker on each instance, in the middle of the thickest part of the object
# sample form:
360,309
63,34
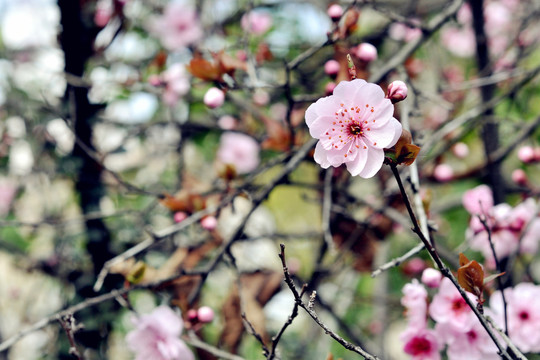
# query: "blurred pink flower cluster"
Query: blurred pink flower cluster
157,336
178,27
457,329
460,40
240,151
513,229
354,126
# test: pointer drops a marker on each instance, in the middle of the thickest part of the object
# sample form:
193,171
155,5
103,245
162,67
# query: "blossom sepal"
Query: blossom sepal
403,152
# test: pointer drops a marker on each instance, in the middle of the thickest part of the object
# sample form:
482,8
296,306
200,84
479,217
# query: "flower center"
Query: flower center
524,315
355,128
420,346
458,305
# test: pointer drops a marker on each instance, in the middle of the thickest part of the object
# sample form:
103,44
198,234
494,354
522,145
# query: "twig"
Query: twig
195,342
275,339
70,327
397,261
442,267
298,299
251,330
409,48
483,220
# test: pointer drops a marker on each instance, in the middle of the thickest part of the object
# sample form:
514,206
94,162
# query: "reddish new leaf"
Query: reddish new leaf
470,275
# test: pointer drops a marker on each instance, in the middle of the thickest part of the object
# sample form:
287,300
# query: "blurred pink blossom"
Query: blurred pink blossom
415,301
178,27
519,177
209,223
443,172
422,345
335,12
460,42
256,22
180,216
156,336
432,277
353,126
214,98
176,82
526,154
103,13
239,150
331,67
448,307
329,88
460,150
205,314
403,32
366,52
478,200
227,122
474,344
523,309
7,194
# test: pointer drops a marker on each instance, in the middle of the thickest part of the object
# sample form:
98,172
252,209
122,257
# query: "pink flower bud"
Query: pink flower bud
431,277
443,172
397,91
331,68
214,98
537,154
460,150
102,15
329,88
335,12
366,52
526,154
192,315
227,122
519,177
209,223
205,314
414,266
179,216
154,80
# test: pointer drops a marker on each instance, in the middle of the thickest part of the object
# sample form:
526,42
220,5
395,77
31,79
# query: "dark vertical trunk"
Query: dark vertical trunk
76,42
490,129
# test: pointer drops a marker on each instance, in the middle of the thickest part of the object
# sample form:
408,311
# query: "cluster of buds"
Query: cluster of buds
197,318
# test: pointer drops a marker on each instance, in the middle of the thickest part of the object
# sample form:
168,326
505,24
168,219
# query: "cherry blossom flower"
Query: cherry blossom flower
214,98
335,12
431,277
157,336
478,200
178,27
239,150
256,22
422,345
443,173
474,344
176,83
415,301
523,311
448,307
331,67
366,52
353,126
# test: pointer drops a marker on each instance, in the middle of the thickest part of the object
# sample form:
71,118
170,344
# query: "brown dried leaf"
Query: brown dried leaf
204,69
470,275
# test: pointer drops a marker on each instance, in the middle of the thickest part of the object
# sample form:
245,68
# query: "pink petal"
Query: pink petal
374,163
320,156
384,137
320,125
357,165
346,91
323,106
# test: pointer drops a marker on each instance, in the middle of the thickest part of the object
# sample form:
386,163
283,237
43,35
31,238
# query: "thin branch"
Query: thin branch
308,308
397,261
409,48
444,269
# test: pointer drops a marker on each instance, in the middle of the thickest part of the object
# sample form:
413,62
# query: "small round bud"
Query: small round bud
331,68
214,98
335,12
460,150
209,223
431,277
329,88
192,315
227,122
205,314
179,216
397,91
443,173
414,266
526,154
366,52
519,177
